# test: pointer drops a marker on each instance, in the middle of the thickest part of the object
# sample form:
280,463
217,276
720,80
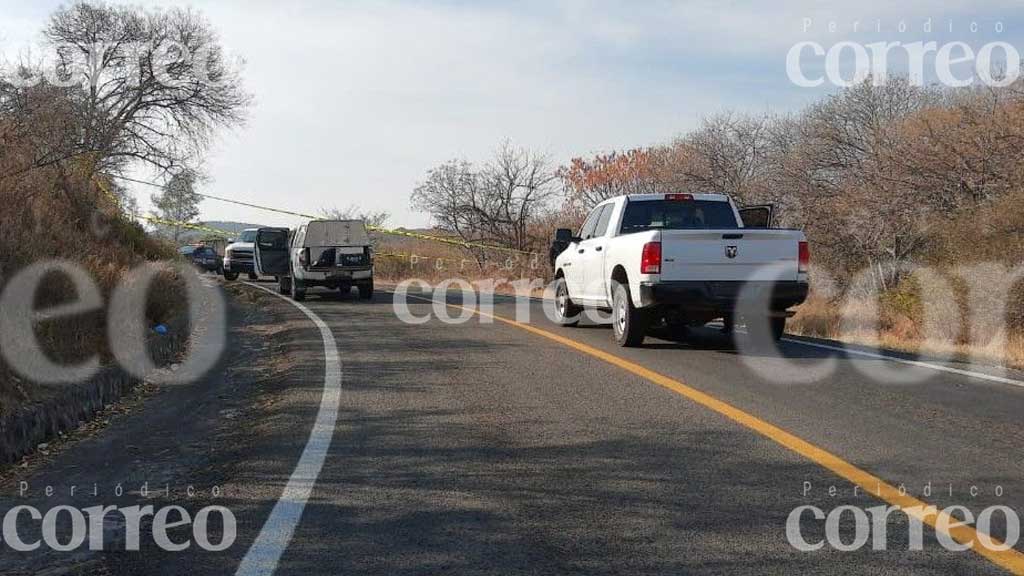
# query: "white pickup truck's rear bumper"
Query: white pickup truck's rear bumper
721,296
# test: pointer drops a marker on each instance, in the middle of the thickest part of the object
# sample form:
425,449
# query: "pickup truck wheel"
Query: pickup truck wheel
253,276
566,313
230,276
629,323
298,290
284,285
366,291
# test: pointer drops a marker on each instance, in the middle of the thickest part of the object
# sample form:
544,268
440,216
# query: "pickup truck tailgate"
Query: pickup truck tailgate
325,257
729,255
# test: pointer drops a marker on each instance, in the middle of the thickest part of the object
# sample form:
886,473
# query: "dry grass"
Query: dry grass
59,213
404,258
896,330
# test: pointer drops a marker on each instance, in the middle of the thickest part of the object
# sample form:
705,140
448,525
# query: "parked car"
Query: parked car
203,257
238,256
686,259
334,254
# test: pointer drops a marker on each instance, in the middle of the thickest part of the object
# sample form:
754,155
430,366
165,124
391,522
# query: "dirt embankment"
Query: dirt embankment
61,215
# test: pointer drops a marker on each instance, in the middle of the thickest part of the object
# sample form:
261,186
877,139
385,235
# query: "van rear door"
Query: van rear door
272,258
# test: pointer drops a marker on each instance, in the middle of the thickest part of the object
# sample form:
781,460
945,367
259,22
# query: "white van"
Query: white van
335,254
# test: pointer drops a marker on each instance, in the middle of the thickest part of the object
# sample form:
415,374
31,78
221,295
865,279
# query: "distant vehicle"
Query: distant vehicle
683,258
238,256
335,254
203,257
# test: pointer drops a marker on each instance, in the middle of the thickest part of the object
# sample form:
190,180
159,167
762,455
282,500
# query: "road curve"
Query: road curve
484,448
480,447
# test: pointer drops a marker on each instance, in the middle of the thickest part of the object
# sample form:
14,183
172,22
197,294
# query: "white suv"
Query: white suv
335,254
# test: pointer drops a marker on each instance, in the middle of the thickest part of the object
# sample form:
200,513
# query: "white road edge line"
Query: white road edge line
273,539
919,364
855,352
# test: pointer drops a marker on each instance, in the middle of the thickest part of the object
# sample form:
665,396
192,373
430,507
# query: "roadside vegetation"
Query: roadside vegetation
61,147
881,178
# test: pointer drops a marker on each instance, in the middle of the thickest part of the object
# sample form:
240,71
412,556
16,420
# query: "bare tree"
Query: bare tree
154,83
126,201
860,190
496,203
373,219
178,203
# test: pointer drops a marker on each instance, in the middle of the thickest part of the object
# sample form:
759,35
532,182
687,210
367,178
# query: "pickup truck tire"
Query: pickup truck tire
366,291
566,313
629,323
230,276
284,285
298,290
253,276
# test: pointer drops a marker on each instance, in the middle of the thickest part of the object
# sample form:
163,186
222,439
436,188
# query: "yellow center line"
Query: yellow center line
1011,559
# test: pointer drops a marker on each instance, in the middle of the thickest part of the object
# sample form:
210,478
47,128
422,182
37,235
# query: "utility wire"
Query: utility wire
301,215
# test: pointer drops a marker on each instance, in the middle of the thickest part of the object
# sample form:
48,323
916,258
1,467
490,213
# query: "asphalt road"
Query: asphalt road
482,447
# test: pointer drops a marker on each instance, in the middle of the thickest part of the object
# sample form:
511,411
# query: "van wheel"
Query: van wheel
629,323
230,276
566,313
284,285
298,290
366,291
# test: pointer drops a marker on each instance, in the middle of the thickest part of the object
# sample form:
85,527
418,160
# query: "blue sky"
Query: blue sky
355,101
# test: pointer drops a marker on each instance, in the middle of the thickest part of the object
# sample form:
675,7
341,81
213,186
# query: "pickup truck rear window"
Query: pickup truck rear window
677,215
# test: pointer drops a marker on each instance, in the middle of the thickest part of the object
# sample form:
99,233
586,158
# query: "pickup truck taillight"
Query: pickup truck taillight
805,258
683,197
650,258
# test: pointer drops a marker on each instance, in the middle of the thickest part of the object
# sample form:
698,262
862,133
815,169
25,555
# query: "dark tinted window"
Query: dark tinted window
276,239
677,215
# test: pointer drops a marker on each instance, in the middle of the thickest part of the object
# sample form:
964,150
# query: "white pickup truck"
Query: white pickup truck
685,259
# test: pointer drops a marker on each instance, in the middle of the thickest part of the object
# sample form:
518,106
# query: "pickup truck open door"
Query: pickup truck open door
272,252
757,216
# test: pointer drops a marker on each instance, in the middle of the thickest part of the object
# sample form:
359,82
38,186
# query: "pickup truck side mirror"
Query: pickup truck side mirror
563,238
757,216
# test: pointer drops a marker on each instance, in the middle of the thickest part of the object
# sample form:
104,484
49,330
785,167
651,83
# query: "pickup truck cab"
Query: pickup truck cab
335,254
684,259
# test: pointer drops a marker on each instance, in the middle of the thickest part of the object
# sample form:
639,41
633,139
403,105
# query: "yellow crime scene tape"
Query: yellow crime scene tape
379,229
158,220
439,262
